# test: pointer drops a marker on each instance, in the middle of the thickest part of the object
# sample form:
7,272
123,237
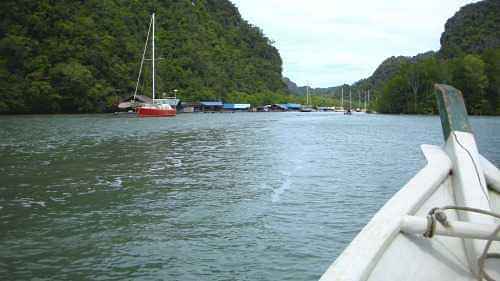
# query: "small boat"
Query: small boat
157,107
307,109
444,224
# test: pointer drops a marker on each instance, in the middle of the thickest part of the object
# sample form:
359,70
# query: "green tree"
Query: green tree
468,74
77,56
393,97
492,60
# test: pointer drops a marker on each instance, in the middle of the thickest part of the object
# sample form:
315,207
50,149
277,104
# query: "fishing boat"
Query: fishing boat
444,224
157,107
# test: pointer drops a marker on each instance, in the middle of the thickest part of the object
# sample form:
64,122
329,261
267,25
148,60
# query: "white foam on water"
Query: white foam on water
101,181
117,182
177,162
57,199
265,186
89,191
41,203
28,202
275,197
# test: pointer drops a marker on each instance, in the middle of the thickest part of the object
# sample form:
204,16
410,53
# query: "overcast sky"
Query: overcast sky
329,42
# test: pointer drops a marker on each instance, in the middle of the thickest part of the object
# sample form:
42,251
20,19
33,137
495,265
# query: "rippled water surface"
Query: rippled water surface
200,196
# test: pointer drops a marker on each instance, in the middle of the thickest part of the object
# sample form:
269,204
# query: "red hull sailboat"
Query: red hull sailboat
157,107
156,110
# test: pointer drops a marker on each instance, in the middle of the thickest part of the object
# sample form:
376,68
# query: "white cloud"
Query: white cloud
330,42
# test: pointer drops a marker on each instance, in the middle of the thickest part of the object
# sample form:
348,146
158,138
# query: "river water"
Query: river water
249,196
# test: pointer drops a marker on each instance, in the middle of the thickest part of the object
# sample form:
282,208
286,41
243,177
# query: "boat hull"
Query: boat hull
156,112
412,237
382,251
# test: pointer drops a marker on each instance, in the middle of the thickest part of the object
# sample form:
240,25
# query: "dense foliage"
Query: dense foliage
469,60
473,29
411,89
83,56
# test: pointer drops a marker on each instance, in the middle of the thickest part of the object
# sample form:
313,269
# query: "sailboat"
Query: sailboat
307,107
348,111
157,107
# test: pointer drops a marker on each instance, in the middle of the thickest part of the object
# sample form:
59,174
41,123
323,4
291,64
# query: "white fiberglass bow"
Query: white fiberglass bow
431,228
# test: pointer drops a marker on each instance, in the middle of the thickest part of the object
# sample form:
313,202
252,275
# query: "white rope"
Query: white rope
142,60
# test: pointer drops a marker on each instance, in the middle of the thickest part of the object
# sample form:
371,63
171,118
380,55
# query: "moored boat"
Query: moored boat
307,109
156,110
157,107
443,224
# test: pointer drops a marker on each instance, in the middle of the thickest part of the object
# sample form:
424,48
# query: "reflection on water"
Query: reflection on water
201,196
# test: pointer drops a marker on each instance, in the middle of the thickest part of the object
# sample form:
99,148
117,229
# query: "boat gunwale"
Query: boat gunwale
491,174
364,251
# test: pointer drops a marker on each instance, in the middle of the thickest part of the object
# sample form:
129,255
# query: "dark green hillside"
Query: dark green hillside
81,56
474,29
468,59
389,67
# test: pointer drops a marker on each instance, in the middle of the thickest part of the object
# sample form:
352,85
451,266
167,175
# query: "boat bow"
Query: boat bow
456,178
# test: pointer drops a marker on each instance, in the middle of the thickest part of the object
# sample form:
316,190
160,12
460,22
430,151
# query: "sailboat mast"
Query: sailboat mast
307,95
368,98
350,100
153,44
365,101
342,100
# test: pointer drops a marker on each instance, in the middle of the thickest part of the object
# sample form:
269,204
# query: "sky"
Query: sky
327,43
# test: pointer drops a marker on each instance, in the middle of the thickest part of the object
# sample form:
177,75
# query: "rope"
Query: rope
437,214
142,60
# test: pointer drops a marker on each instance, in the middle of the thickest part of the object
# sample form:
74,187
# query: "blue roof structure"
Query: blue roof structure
236,106
293,106
211,103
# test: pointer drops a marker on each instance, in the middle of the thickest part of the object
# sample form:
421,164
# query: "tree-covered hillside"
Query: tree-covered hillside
469,59
82,56
472,30
384,72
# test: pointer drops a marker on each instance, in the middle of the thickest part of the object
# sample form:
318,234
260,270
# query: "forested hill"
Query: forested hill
472,30
81,56
389,67
469,59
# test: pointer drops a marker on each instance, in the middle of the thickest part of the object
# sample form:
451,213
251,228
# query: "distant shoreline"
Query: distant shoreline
225,112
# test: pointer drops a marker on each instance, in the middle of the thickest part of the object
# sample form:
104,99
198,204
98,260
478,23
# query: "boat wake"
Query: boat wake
277,192
275,197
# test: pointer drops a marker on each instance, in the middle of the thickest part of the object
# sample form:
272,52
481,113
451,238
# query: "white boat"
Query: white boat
430,229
